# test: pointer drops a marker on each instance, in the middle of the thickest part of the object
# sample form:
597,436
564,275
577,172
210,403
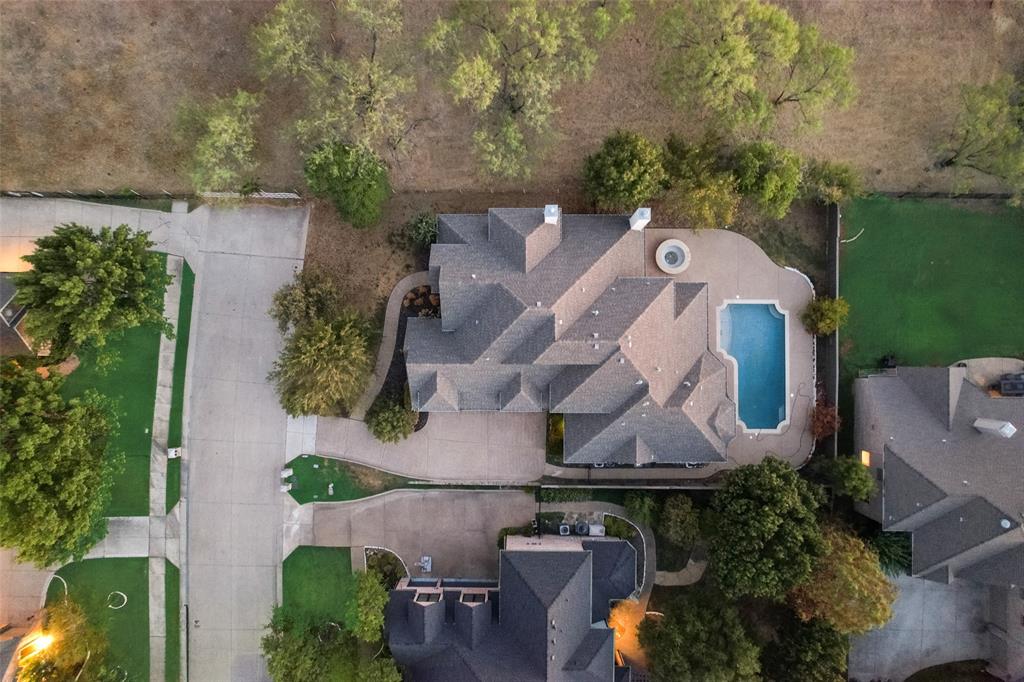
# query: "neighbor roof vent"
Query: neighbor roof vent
551,214
995,427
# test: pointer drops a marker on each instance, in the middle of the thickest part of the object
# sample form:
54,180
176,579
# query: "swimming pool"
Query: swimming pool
754,335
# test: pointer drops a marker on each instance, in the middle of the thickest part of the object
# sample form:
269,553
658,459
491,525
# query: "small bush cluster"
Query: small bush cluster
825,419
389,419
824,315
563,494
618,528
353,178
625,173
513,530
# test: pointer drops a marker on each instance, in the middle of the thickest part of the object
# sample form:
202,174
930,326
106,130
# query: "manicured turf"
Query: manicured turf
313,476
318,582
929,282
89,584
172,604
130,385
188,279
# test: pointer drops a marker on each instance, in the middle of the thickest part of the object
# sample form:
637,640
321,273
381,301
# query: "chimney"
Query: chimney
551,214
995,427
638,221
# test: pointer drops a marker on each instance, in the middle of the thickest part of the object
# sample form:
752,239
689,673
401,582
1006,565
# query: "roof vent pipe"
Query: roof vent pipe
995,427
639,219
551,214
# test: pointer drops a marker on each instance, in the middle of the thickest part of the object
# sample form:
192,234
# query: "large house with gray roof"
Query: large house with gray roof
949,461
545,619
542,311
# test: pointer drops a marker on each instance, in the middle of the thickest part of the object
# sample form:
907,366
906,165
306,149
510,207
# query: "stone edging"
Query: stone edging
387,340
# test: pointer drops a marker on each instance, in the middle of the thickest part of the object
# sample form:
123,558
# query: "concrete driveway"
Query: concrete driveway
457,528
477,447
236,436
931,624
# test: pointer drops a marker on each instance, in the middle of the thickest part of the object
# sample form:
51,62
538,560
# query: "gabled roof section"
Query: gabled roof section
906,491
596,389
520,395
434,394
957,531
614,574
523,235
593,654
931,386
1004,569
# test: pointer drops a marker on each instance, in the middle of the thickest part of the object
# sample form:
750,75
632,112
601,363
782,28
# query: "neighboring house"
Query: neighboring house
949,461
544,620
542,311
13,339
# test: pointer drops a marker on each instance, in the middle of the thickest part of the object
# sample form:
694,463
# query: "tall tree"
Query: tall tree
701,189
740,61
809,652
223,137
354,178
699,639
988,135
55,473
84,285
325,365
764,534
508,61
367,609
357,100
847,589
624,174
768,174
293,651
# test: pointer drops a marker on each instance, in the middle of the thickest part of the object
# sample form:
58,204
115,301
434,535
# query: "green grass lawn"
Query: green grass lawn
929,282
188,279
172,605
130,385
313,476
318,582
89,584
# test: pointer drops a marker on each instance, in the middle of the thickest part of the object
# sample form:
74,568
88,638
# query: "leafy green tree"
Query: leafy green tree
508,61
679,522
809,652
223,137
379,670
894,553
848,478
85,285
367,610
325,365
421,231
353,178
700,190
700,639
988,135
831,183
847,589
768,174
740,61
311,296
76,642
357,101
293,651
641,507
389,420
624,174
55,473
764,534
824,315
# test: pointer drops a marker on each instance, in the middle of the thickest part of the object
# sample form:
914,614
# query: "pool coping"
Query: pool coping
726,357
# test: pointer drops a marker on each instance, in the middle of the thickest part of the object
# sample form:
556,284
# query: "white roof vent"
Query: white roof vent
995,427
639,219
551,214
1005,523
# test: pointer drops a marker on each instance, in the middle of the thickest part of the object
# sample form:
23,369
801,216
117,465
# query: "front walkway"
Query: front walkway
931,624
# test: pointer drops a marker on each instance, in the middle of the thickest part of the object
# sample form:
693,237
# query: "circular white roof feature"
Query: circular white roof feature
673,256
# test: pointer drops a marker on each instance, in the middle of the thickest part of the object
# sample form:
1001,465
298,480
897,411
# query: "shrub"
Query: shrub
309,297
353,178
324,366
556,435
679,522
513,530
387,564
641,507
389,420
700,191
421,231
564,494
824,419
849,478
824,315
366,611
768,174
618,528
811,651
831,183
894,554
223,133
625,173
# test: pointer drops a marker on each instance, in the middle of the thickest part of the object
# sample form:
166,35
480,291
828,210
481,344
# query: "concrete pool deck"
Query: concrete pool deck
737,270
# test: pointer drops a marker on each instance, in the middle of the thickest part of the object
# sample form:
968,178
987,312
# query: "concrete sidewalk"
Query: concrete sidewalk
236,436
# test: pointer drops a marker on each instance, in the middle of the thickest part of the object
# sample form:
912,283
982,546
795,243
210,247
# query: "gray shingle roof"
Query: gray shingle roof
1005,568
958,490
545,629
538,316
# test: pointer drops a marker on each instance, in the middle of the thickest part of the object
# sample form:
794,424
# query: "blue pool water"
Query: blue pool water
755,335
